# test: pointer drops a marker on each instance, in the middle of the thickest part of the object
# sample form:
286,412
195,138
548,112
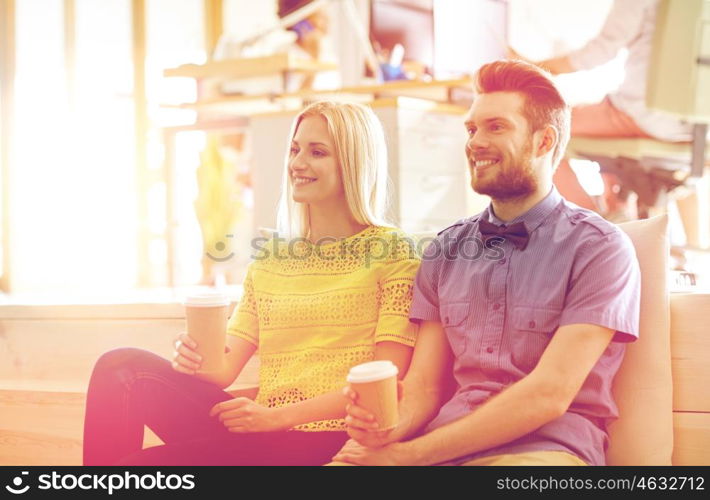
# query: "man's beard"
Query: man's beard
514,179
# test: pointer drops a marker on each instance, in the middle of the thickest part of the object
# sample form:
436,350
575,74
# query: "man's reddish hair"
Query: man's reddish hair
544,105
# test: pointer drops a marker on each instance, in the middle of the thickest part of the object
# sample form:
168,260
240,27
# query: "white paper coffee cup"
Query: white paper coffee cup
206,316
375,383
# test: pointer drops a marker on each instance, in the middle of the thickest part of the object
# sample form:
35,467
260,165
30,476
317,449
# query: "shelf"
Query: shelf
249,67
436,91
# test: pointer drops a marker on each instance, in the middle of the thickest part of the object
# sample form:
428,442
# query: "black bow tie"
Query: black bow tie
517,234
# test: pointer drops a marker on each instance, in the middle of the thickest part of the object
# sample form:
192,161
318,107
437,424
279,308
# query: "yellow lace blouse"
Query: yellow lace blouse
315,311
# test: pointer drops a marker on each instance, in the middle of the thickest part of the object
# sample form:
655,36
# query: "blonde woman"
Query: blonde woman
330,291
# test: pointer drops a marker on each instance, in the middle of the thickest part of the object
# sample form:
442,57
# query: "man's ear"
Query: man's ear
548,140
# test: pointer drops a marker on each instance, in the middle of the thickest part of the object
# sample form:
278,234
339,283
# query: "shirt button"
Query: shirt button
531,324
489,350
496,307
502,261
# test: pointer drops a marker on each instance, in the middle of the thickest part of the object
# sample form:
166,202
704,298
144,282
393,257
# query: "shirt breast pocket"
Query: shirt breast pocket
453,318
533,328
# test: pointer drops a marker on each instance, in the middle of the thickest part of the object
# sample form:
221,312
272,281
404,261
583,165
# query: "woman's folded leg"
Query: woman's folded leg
130,388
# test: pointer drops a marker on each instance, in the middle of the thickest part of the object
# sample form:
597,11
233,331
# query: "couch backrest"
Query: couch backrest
643,388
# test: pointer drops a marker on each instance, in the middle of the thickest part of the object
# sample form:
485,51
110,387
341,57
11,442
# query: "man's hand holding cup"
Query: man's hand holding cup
374,393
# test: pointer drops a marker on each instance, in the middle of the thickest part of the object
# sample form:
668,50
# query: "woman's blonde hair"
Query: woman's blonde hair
361,153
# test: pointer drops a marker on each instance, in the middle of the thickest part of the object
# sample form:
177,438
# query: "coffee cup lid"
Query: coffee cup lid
372,372
206,299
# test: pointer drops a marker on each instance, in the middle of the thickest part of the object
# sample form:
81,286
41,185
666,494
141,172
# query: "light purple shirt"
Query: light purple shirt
500,306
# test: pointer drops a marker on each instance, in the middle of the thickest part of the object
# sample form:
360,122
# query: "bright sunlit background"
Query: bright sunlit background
87,181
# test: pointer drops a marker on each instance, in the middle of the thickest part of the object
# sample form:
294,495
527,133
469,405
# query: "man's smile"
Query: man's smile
484,163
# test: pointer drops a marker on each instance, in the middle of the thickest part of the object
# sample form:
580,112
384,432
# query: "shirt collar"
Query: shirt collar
533,217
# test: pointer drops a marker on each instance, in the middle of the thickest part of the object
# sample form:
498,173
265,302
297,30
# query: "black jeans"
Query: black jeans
130,388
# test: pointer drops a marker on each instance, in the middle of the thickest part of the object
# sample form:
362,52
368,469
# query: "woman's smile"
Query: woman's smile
299,180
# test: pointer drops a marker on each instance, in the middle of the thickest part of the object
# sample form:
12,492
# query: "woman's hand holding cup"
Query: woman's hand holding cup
185,357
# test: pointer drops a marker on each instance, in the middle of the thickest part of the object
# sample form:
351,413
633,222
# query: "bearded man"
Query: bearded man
532,337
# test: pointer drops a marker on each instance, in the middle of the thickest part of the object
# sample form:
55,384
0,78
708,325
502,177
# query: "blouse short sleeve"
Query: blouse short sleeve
396,286
244,320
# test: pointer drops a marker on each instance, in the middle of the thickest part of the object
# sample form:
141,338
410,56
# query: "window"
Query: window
81,202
